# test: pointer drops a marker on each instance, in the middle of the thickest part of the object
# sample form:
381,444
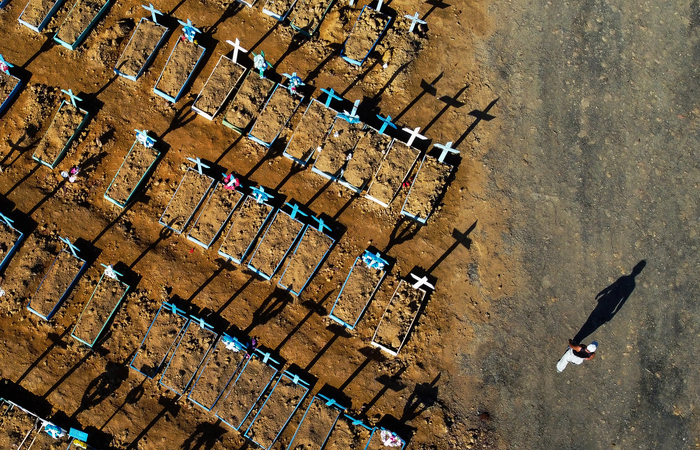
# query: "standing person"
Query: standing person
577,354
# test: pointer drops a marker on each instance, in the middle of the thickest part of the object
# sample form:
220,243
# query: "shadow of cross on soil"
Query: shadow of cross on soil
269,308
610,301
56,341
480,115
204,437
392,382
460,239
314,308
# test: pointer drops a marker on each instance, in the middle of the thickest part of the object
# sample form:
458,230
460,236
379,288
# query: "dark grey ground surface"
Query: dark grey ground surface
597,157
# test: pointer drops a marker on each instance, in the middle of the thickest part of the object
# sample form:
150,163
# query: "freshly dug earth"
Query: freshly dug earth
14,427
275,115
279,407
339,144
250,384
165,329
245,226
99,309
308,255
36,11
309,14
8,238
311,131
186,198
367,30
56,282
366,158
359,288
279,7
395,167
248,101
278,239
216,374
215,214
142,44
7,84
220,84
183,60
65,124
83,12
316,425
430,182
136,165
346,436
190,353
43,441
398,317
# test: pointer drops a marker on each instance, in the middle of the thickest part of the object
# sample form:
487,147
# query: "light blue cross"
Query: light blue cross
73,249
199,163
386,123
330,96
6,219
414,20
112,269
374,261
447,148
72,96
154,12
144,139
351,117
5,66
321,224
295,210
189,30
260,195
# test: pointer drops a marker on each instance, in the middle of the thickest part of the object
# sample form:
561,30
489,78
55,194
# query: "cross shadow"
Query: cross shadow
434,4
314,308
296,168
132,397
56,341
264,36
24,178
360,77
230,11
347,204
223,263
450,102
423,397
370,354
164,234
229,148
235,295
205,436
610,301
390,382
337,331
297,42
16,146
318,193
76,366
480,115
426,88
102,89
380,92
49,43
182,117
335,48
460,239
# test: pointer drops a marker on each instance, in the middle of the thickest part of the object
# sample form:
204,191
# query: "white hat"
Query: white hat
592,346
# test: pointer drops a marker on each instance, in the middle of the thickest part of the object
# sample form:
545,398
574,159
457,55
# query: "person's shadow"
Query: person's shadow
610,301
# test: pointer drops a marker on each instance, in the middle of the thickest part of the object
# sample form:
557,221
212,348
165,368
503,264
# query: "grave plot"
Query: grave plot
308,16
279,9
181,64
316,424
9,85
82,17
134,169
246,225
57,283
15,426
275,114
216,212
310,133
246,390
364,36
189,354
166,327
393,171
104,301
245,105
359,287
278,239
10,238
339,144
366,158
188,196
348,434
218,371
47,436
311,250
399,316
65,127
278,408
142,47
37,13
383,439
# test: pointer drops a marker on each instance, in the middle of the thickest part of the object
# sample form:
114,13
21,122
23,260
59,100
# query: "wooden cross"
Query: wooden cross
153,12
236,48
72,96
295,210
199,163
414,20
447,148
144,139
413,135
330,96
421,282
73,249
387,122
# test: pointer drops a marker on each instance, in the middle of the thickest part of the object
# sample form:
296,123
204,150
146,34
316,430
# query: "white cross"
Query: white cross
144,139
199,163
351,117
421,282
447,148
413,135
379,5
236,48
414,20
111,273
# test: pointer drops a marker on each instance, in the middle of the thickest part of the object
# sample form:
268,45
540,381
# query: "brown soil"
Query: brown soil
278,408
309,253
216,374
7,84
279,7
42,441
83,12
186,198
136,164
8,238
15,425
161,337
214,214
279,237
249,100
367,30
36,11
398,317
274,116
57,280
221,82
366,158
309,13
65,124
394,169
107,295
245,225
357,292
193,347
430,182
311,131
317,424
183,60
346,436
142,44
340,142
241,398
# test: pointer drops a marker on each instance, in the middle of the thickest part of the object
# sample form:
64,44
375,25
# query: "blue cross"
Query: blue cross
153,12
295,210
112,269
330,96
72,96
294,81
386,122
447,148
6,219
199,163
189,30
414,20
144,139
321,224
4,65
374,261
73,249
260,195
331,402
379,5
354,421
351,117
266,357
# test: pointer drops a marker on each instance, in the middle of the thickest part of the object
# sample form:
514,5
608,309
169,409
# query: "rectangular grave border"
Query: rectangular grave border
10,97
62,153
377,432
421,220
355,423
269,276
232,126
137,185
235,85
358,189
87,29
150,57
369,299
109,317
226,340
291,138
265,358
294,379
13,405
408,173
249,4
184,225
8,256
313,272
311,33
187,81
277,16
260,141
223,225
331,404
327,175
175,310
231,258
44,21
202,324
381,34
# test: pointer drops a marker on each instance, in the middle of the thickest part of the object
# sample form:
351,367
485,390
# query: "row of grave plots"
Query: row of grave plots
246,387
22,429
